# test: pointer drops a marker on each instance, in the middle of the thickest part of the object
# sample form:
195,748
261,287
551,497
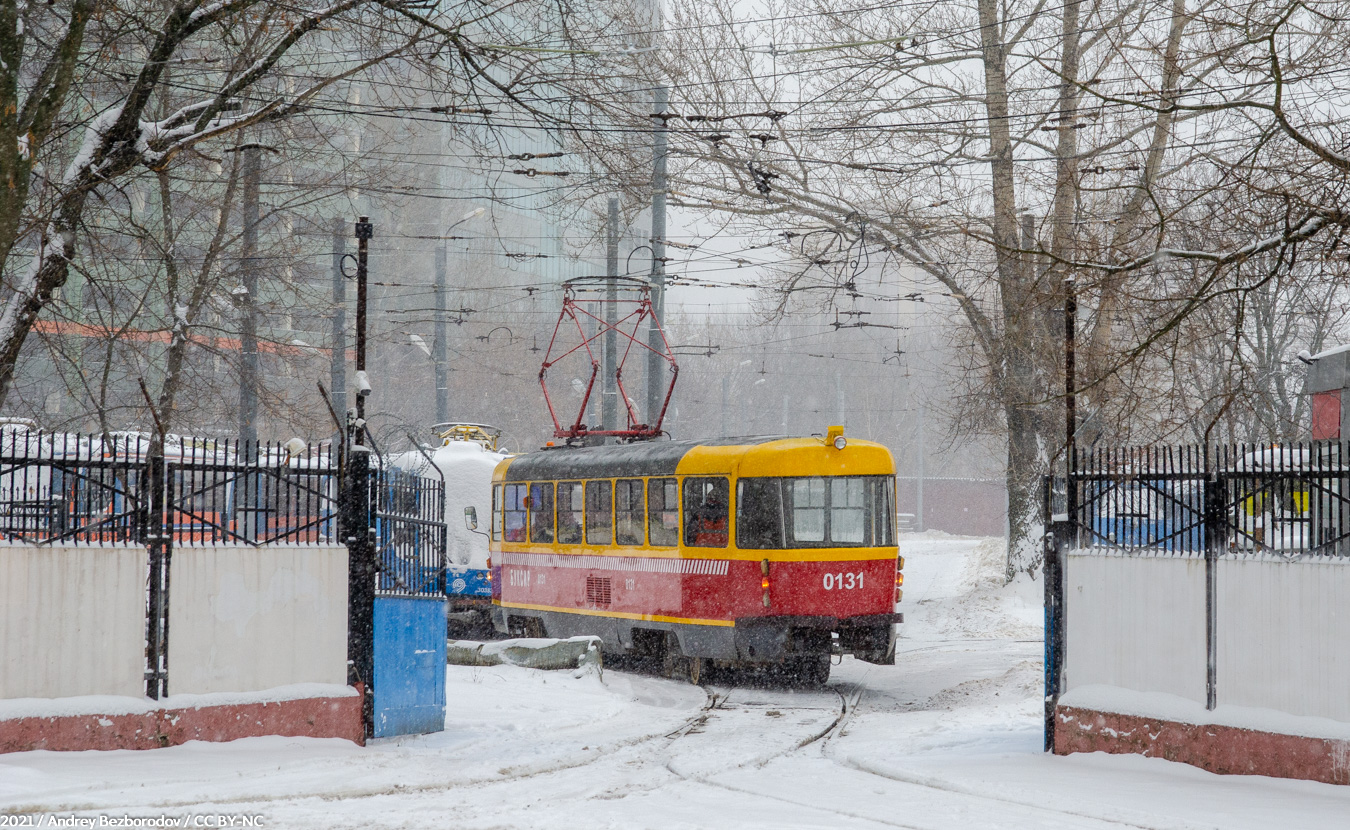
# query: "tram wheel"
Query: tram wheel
677,666
810,672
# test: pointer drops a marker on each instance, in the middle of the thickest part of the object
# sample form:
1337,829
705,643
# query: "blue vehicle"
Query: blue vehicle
1163,514
466,457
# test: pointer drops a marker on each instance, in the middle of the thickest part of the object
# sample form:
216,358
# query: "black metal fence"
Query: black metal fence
72,489
1240,498
1290,500
94,489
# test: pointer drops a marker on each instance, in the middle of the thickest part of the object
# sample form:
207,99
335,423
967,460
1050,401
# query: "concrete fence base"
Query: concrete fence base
1226,750
108,722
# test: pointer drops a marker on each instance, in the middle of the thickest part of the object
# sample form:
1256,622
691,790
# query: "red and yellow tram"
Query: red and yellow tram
737,551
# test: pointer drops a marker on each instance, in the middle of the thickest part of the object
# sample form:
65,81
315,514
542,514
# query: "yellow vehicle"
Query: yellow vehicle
736,551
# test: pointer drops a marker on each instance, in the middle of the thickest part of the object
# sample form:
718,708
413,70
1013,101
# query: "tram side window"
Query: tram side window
570,502
496,512
663,512
541,512
805,499
515,512
705,512
628,511
759,513
848,520
883,511
599,513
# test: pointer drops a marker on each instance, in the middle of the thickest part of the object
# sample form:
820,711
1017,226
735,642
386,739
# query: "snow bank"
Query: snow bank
530,653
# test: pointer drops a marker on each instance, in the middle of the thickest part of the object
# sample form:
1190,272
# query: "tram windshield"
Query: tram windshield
815,512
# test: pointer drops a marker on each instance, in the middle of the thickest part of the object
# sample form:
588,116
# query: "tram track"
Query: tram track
849,699
730,712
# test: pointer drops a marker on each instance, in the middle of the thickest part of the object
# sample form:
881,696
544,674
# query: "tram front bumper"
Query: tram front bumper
869,637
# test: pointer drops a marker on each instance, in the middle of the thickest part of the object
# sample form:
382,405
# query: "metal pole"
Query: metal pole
609,412
726,394
357,534
364,230
1070,402
337,371
918,484
439,344
655,374
1215,498
248,328
157,541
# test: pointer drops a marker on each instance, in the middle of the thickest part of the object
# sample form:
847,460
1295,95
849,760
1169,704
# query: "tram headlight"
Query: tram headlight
840,442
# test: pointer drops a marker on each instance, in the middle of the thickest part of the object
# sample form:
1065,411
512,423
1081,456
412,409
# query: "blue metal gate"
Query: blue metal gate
409,665
410,605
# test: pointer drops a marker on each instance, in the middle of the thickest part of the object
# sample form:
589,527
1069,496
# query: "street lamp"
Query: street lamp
438,345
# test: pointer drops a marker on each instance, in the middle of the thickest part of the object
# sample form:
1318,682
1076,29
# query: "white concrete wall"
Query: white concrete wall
1284,635
1136,622
72,621
245,619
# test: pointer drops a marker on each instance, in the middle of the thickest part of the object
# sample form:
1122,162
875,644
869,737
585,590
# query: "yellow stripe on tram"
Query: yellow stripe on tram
590,612
739,554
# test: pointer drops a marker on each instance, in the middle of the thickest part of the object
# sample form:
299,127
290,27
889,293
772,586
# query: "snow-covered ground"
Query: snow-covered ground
949,737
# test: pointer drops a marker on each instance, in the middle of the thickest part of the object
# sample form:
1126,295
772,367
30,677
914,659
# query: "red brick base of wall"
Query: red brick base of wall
316,717
1226,750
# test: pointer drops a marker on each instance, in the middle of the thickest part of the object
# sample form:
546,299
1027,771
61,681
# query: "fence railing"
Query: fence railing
252,494
1289,499
71,489
410,534
94,489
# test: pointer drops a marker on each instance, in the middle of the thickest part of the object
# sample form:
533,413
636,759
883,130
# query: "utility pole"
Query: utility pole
918,484
357,526
364,231
337,367
609,409
438,341
1070,400
726,394
248,328
658,277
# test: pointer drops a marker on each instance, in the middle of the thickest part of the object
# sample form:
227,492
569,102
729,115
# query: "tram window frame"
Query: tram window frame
576,512
701,515
598,532
513,505
541,512
763,528
663,512
878,506
496,524
627,516
883,513
853,516
801,519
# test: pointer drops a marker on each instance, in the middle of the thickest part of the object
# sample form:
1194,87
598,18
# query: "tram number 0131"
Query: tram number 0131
843,581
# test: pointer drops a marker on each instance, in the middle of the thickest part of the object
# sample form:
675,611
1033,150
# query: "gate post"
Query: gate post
156,538
1059,536
1214,541
357,532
